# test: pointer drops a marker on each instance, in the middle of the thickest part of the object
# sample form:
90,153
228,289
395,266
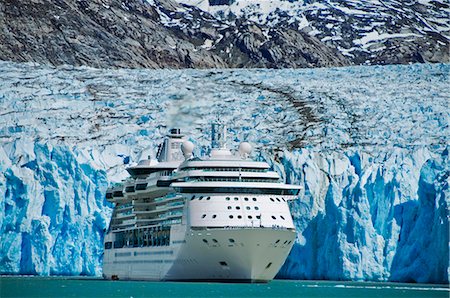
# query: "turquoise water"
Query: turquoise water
90,287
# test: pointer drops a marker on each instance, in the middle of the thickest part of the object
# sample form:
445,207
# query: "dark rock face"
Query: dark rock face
135,33
94,33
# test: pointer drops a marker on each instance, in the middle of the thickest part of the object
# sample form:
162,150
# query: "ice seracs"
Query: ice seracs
223,217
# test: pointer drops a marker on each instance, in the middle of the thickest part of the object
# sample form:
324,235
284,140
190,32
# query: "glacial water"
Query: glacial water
92,287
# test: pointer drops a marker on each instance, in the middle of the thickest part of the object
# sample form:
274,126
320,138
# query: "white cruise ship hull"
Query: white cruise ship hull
219,254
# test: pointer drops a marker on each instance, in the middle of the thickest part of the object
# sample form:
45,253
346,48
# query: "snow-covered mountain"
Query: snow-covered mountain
367,32
244,33
369,145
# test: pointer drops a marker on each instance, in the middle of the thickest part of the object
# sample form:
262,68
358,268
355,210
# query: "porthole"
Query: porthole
214,240
268,265
258,216
201,198
208,198
245,199
248,208
283,199
236,198
278,241
214,216
206,241
250,217
227,198
256,208
193,197
278,200
231,240
204,215
285,242
238,208
229,207
239,216
254,199
274,217
272,200
282,217
231,216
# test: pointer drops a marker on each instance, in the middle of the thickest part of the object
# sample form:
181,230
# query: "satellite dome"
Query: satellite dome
245,148
187,147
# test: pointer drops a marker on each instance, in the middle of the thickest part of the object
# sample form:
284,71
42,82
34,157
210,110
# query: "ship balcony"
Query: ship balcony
158,211
124,215
162,201
159,219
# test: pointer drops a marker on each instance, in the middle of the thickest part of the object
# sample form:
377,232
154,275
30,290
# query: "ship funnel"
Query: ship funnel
170,148
218,136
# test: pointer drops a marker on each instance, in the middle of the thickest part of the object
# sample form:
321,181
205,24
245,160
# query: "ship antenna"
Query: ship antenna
218,135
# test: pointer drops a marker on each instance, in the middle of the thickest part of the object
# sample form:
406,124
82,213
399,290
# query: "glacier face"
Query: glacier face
369,145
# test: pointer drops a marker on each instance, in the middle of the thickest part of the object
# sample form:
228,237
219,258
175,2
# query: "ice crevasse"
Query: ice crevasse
360,216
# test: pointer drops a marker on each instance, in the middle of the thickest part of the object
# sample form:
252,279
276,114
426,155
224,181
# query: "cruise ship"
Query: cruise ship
223,217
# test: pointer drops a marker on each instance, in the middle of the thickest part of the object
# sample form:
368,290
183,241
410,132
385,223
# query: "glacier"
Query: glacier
369,145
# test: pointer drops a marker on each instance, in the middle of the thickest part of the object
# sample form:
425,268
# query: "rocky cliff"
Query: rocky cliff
148,34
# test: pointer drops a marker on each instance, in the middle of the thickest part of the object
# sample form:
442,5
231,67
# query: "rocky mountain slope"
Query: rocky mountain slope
155,34
369,32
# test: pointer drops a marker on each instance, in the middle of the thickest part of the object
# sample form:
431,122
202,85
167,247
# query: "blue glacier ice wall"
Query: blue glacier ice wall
52,210
366,217
369,145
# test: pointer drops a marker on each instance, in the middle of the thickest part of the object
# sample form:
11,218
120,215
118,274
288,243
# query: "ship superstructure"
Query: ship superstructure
224,217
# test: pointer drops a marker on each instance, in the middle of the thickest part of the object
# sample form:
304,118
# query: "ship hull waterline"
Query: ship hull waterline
245,255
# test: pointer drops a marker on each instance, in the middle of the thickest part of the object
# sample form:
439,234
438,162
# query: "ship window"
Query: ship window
268,265
206,241
254,199
282,217
258,216
231,216
215,240
208,198
250,217
278,200
278,241
272,200
256,208
248,207
204,215
201,198
237,207
236,198
239,216
245,199
223,263
285,242
231,240
274,217
108,245
227,198
193,197
214,216
229,207
283,199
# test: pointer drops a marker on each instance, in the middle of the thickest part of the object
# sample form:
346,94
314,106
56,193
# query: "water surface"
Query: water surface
91,287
